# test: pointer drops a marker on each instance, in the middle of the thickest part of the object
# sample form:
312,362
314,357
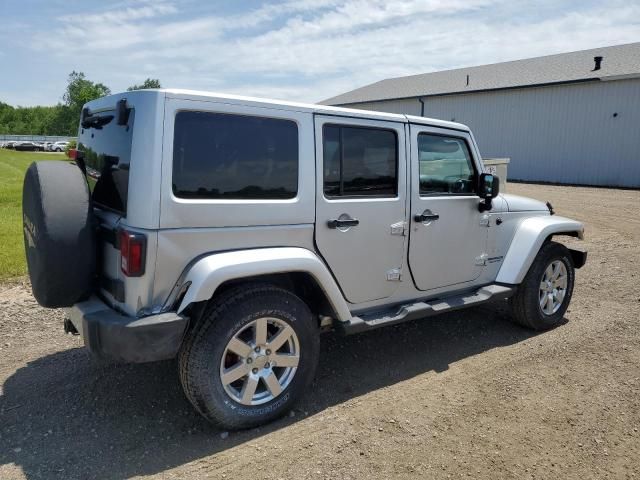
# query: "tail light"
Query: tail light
133,249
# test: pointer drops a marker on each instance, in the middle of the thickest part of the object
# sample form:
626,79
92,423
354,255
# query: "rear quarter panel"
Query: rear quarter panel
191,228
178,248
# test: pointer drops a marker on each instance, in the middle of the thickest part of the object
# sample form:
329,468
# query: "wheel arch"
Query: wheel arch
296,269
529,237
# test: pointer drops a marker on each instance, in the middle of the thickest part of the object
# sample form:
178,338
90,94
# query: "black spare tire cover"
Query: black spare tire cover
58,233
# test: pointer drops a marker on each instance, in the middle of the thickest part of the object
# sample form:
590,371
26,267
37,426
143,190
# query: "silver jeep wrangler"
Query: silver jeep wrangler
229,231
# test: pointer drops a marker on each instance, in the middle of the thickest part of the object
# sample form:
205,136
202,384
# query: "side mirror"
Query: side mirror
488,189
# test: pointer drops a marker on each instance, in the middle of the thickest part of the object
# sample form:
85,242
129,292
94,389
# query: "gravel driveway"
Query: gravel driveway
466,395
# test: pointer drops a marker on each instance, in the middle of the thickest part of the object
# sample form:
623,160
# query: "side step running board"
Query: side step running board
417,310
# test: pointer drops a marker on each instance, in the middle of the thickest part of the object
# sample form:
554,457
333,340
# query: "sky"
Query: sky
293,50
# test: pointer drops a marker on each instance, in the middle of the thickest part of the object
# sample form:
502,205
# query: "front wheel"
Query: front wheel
252,356
544,295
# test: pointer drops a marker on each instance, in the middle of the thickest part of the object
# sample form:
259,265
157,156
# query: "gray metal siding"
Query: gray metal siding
564,134
408,106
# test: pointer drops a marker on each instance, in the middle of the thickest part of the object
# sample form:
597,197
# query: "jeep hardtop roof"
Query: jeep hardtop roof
284,105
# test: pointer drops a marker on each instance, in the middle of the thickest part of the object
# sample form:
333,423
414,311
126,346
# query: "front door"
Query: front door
448,233
360,204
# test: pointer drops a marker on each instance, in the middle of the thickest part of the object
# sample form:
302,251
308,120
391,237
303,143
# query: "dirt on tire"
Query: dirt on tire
465,395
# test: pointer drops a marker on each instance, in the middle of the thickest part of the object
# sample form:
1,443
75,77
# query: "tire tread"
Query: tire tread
524,311
214,316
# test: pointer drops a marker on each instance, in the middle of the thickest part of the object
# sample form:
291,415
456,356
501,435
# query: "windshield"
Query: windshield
106,150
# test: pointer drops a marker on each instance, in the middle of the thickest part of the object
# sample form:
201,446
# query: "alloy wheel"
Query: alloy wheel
260,361
553,287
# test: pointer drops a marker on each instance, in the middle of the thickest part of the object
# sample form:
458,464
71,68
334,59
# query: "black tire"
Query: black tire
58,233
525,304
202,352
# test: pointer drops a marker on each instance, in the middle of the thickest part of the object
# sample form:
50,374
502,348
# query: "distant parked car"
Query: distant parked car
28,147
10,145
59,146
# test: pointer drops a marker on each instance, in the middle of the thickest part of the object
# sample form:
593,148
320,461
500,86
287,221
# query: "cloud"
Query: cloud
309,50
127,15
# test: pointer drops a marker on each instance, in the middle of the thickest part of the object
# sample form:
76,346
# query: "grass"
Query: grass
12,167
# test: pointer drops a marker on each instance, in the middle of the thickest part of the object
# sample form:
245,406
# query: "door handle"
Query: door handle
426,216
343,222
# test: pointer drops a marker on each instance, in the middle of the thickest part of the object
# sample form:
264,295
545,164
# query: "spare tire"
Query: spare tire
58,233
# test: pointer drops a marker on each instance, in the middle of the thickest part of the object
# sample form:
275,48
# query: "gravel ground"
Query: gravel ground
464,395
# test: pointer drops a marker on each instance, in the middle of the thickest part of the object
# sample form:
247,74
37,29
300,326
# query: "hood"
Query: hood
516,203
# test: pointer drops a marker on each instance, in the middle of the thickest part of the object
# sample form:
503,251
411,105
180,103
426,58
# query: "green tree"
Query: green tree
79,91
60,119
35,120
148,83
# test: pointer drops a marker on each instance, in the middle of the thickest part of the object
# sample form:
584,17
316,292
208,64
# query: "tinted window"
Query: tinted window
445,165
218,155
107,156
359,161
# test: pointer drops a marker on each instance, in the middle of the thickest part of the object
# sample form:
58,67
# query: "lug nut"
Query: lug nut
257,349
255,370
249,360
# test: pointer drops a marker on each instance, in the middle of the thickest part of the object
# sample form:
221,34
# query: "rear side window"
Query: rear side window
106,149
359,161
446,166
224,156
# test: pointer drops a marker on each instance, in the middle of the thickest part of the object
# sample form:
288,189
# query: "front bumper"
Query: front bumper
579,258
109,334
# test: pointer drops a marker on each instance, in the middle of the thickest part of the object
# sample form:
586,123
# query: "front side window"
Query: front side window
359,161
446,166
224,156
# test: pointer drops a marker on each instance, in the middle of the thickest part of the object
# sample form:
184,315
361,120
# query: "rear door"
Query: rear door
448,233
122,152
360,204
106,148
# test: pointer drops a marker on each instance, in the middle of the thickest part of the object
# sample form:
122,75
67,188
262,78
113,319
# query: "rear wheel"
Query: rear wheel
544,295
252,356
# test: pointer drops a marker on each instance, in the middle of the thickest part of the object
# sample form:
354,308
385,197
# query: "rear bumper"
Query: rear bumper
109,334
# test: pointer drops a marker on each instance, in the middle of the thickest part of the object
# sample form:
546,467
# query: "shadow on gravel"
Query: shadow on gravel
65,416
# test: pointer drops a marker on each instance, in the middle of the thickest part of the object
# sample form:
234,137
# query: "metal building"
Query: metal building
569,118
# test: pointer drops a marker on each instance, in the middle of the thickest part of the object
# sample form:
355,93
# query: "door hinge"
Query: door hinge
399,228
394,275
482,259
